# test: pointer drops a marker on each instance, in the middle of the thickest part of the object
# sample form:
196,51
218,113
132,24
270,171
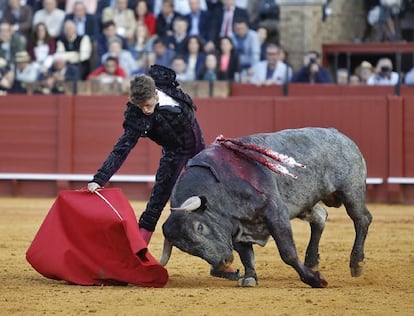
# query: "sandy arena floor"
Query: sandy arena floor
386,287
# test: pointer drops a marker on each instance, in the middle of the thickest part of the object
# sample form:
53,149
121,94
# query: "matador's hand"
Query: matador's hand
93,186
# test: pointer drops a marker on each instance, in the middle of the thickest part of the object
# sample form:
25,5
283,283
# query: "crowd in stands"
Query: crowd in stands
53,41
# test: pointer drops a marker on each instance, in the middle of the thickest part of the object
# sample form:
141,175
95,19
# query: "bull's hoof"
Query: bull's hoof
229,275
358,269
247,282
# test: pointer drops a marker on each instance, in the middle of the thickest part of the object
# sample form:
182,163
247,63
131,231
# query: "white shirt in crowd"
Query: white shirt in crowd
376,79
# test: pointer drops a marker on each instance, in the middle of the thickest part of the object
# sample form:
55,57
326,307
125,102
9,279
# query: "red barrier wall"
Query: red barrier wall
234,117
29,133
304,89
407,126
73,134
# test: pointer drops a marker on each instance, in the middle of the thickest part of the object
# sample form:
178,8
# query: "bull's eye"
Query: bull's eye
200,228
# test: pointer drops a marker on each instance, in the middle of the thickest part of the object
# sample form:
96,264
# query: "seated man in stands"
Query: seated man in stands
25,72
6,76
312,71
109,72
247,44
364,71
53,82
409,77
383,74
272,70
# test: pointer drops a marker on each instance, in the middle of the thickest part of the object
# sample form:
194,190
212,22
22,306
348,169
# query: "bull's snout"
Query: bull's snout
228,261
225,264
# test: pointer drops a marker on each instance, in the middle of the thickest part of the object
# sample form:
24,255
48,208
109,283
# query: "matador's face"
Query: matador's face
148,106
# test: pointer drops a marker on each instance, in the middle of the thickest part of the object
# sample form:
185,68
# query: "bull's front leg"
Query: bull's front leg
316,219
278,222
246,254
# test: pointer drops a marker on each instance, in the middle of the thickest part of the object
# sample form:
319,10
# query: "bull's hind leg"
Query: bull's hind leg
316,218
357,210
279,227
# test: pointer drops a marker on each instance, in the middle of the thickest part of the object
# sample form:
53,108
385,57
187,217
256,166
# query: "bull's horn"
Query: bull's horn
191,204
166,252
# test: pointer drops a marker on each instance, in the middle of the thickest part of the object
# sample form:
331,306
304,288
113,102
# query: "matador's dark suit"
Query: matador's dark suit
172,126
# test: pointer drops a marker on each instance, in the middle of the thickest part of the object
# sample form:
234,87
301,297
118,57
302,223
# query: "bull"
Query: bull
239,192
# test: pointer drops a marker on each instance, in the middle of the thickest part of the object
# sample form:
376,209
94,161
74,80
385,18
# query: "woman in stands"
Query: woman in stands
227,59
41,47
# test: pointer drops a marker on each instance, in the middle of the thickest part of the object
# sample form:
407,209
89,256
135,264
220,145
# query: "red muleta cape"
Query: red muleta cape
93,239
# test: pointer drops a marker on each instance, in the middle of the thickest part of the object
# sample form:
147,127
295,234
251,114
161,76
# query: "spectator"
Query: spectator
144,16
194,55
86,23
198,20
142,42
210,71
383,74
272,70
368,6
48,85
123,17
183,7
312,71
63,71
20,17
154,6
177,42
262,34
3,8
102,4
10,43
89,5
180,67
165,19
228,59
247,44
241,4
6,76
342,76
409,77
77,49
364,71
124,56
53,81
143,64
52,16
41,47
263,12
108,34
24,72
110,71
354,80
223,20
36,5
253,13
284,56
162,54
381,16
213,5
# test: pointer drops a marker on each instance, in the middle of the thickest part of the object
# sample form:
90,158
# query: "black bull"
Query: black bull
228,199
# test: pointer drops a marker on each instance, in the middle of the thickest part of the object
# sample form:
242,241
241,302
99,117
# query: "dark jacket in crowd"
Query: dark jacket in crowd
92,28
303,75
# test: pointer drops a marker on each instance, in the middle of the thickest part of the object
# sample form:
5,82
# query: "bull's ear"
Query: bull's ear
203,205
